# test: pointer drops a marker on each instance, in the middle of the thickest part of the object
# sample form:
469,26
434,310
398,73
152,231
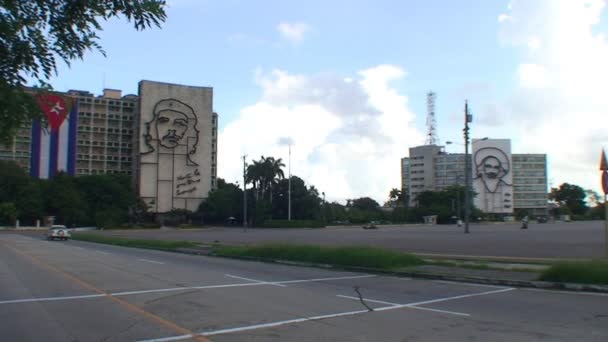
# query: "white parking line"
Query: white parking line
253,280
459,297
203,287
152,261
324,279
314,318
369,300
405,305
27,300
441,311
468,284
101,252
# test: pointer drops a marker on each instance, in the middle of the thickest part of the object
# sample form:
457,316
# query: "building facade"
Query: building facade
115,134
504,182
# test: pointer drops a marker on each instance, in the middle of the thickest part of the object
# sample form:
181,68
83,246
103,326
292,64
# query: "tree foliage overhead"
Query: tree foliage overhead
35,34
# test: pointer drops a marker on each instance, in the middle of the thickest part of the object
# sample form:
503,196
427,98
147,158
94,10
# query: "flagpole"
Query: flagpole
606,223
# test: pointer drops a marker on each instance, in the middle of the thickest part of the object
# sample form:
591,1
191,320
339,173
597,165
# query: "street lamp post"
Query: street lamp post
289,188
467,175
323,208
244,193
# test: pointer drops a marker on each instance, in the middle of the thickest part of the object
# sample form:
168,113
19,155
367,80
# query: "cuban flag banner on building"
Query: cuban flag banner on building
54,138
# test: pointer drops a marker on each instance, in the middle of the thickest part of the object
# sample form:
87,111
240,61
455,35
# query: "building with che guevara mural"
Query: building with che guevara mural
165,137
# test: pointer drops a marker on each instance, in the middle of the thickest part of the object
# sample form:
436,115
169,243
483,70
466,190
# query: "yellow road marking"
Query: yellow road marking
134,308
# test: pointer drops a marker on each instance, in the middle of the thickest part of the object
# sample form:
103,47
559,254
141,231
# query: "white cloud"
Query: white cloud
293,32
560,104
532,76
349,133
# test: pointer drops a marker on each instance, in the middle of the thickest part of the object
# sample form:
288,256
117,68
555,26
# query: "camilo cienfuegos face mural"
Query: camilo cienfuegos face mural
493,180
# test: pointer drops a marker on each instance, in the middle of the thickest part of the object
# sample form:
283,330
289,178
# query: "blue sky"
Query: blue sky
500,55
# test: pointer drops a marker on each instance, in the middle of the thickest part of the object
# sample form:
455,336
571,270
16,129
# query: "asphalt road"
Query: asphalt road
77,291
550,240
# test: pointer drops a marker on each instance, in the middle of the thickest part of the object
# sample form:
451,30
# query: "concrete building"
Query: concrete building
504,182
116,134
530,183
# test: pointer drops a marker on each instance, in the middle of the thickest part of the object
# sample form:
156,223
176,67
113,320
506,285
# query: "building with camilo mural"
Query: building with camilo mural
504,182
165,137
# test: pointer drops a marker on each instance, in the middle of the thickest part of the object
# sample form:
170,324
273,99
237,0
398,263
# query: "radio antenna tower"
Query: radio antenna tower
431,124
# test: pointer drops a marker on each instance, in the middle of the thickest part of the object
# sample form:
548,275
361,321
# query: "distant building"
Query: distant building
165,137
504,182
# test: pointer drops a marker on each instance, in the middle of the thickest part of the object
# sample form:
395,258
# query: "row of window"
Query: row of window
104,143
529,173
530,195
531,159
95,172
16,153
103,129
530,203
530,187
101,157
88,100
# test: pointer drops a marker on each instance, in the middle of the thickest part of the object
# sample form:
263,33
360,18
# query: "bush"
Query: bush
590,272
368,257
139,243
151,225
293,224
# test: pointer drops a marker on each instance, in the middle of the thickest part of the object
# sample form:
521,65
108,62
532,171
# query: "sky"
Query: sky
345,81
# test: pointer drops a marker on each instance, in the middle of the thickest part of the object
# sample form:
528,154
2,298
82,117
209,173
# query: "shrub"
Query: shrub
590,272
357,256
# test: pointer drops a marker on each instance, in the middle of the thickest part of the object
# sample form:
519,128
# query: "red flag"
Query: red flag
55,108
603,163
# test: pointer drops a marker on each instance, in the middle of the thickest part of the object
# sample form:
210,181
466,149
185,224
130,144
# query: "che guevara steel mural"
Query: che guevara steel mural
173,135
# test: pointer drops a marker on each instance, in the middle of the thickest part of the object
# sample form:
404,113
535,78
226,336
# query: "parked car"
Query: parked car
58,231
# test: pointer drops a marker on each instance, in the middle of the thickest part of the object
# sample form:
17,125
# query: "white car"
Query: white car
58,232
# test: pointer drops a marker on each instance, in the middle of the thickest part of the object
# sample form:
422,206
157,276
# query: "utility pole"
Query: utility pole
289,188
244,193
467,174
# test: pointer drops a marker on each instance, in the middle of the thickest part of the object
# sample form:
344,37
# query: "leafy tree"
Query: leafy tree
109,198
224,202
13,180
264,175
570,196
66,202
365,204
395,198
335,212
8,213
36,33
305,201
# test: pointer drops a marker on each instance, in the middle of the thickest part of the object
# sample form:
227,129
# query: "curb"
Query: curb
543,285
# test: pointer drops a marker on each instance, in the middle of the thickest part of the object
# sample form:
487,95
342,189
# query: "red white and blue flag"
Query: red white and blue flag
54,139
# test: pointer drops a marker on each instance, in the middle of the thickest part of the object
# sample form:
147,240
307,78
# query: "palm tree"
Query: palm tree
264,174
274,173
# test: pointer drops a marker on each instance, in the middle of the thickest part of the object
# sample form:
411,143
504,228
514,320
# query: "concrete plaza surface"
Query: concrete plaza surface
549,240
78,291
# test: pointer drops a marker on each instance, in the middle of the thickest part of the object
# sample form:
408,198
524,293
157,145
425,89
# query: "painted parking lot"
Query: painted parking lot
76,291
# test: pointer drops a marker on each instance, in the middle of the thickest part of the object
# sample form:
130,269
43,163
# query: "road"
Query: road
551,240
78,291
